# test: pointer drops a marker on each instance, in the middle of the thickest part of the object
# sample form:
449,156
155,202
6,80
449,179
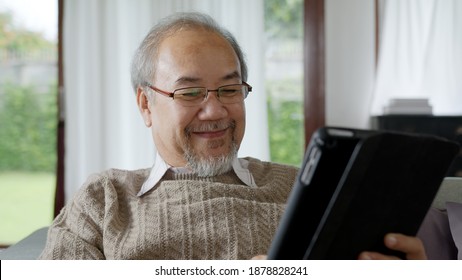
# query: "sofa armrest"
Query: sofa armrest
28,248
450,191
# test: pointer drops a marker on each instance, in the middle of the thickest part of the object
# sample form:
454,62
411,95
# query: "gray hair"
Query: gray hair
142,69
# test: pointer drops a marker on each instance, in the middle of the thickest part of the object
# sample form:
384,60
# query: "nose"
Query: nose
212,109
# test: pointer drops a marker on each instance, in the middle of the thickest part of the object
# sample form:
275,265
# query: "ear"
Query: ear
143,105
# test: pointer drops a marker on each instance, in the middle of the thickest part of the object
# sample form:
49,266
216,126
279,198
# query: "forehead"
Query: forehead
197,51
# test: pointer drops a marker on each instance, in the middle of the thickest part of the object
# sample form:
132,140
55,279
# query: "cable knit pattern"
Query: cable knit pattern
183,217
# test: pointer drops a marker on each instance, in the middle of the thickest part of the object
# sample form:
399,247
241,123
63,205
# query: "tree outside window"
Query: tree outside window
28,118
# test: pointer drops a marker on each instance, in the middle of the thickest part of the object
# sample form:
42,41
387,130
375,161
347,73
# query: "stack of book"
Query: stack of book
408,106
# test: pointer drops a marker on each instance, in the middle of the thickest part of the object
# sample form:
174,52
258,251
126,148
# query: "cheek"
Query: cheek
170,122
238,114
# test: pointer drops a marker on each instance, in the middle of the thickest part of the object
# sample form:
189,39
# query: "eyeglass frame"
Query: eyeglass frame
172,94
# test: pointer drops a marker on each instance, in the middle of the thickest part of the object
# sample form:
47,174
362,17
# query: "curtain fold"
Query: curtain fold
420,54
103,126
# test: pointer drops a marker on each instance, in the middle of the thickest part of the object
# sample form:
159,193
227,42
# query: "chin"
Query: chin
211,163
214,148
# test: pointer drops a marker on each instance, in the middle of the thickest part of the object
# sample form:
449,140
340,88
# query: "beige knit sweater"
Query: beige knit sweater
181,218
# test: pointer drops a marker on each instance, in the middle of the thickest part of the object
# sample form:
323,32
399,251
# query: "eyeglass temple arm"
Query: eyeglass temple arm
163,92
249,87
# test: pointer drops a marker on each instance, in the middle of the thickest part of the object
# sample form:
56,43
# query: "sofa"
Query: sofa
30,247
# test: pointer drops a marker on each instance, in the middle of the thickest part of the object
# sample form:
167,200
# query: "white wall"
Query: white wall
350,61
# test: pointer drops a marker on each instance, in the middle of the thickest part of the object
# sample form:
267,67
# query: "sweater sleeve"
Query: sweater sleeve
435,234
76,233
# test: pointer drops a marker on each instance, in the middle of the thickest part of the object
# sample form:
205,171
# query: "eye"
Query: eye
230,91
189,94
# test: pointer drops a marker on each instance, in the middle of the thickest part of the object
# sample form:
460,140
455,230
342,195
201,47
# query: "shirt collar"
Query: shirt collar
160,167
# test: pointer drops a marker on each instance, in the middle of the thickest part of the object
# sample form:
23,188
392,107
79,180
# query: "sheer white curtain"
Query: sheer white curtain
103,127
420,54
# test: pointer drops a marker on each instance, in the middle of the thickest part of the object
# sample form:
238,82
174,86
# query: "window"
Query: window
284,79
28,116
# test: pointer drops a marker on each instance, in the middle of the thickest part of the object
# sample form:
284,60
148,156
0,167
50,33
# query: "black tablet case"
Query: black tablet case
357,185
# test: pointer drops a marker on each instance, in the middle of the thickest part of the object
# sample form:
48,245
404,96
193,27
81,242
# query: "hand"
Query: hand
411,246
259,257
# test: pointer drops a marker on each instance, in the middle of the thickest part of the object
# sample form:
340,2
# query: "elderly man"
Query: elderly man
198,201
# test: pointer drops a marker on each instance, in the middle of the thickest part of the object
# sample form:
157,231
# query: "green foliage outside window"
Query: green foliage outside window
16,39
285,118
284,18
284,31
28,117
28,129
28,120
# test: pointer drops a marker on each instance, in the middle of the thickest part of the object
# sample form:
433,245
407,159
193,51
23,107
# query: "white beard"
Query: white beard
210,166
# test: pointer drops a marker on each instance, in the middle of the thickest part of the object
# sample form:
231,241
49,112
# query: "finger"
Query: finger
259,257
375,256
411,246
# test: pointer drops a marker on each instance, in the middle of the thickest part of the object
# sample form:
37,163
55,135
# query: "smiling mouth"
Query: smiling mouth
211,134
210,130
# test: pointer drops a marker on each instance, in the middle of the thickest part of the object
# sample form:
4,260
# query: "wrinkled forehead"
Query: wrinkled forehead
195,48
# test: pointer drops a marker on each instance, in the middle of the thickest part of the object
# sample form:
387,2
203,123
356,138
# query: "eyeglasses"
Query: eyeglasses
192,96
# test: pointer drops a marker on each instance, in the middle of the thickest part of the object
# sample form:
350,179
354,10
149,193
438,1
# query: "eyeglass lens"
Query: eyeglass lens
226,94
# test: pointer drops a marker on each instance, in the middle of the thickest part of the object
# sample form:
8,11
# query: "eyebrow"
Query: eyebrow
186,79
232,75
182,80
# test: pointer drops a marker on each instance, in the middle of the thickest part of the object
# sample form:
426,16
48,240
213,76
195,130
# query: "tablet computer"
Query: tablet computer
354,186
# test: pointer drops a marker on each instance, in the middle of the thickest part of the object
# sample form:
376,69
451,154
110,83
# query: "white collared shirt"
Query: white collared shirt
240,167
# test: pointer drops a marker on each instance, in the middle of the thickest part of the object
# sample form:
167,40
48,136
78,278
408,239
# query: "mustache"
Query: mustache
210,126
